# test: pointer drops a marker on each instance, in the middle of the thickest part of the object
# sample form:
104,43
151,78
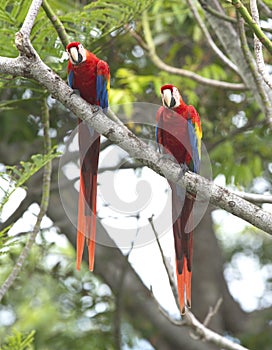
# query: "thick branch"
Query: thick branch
30,17
120,135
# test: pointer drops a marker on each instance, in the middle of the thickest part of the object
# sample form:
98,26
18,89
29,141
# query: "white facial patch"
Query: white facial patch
82,51
176,96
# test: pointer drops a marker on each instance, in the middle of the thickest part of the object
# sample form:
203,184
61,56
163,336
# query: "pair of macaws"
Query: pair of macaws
179,133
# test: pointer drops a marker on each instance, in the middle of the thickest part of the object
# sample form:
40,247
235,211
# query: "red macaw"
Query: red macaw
179,132
91,77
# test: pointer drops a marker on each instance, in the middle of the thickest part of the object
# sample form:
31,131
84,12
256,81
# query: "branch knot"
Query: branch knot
24,46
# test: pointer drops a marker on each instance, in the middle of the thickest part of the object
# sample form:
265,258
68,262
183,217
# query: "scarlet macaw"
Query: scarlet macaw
179,132
91,77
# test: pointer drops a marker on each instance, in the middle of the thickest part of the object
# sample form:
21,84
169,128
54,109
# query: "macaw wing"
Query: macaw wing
102,84
195,134
159,129
70,78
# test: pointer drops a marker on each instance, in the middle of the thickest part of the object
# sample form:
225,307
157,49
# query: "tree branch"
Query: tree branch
255,198
202,331
43,207
35,68
252,24
30,17
168,268
223,16
210,41
150,48
183,72
248,57
227,35
258,47
209,335
57,24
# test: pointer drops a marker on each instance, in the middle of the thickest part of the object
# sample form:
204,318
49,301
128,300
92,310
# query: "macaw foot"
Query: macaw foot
95,109
184,168
75,92
167,156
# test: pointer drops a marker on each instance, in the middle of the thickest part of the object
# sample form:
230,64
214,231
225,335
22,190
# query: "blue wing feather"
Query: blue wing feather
194,145
102,84
157,133
102,91
71,78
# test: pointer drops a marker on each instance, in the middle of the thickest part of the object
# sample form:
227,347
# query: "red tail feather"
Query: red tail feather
86,226
89,144
183,236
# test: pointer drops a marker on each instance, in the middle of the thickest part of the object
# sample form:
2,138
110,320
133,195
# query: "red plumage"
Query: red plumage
179,132
90,76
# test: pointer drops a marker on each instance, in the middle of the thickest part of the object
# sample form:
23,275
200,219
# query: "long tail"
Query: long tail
183,238
89,144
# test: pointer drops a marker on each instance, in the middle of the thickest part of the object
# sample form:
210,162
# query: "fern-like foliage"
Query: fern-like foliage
85,23
16,176
103,16
6,241
18,341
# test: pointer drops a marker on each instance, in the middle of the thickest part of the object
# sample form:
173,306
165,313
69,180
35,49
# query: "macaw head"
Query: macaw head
76,53
171,97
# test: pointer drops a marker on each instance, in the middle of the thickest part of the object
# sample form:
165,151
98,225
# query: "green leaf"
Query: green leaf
18,341
16,176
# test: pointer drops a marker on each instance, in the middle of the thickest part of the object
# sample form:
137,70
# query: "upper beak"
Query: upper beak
168,98
74,55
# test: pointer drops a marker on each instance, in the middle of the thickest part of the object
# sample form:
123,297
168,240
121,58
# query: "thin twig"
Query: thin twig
258,47
265,9
57,24
209,335
223,16
43,207
255,74
210,41
169,272
255,197
202,332
149,46
212,312
252,24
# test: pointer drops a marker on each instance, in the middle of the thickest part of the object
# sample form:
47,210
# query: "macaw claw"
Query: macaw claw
75,92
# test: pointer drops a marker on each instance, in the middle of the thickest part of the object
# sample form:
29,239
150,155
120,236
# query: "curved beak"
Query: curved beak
168,99
75,56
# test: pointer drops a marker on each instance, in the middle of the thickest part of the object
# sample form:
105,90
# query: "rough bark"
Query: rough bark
30,65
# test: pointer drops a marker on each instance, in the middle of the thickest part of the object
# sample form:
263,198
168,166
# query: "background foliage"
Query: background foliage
71,310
